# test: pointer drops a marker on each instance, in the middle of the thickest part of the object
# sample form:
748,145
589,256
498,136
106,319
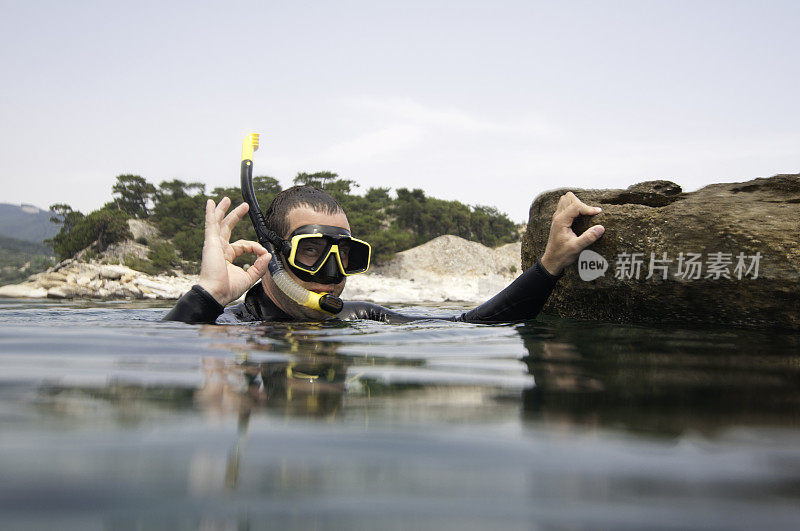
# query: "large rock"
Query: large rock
758,218
111,272
23,290
62,292
450,255
142,229
447,268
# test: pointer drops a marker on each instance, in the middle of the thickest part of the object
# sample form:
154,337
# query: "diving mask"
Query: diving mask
326,254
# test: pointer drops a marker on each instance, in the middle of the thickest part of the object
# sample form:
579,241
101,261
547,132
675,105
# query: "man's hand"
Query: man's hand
563,245
218,276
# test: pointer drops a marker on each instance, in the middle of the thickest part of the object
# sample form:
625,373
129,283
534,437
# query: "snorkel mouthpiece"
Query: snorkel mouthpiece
310,299
315,301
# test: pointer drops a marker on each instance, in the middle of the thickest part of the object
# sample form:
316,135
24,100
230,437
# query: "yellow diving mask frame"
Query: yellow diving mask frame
311,246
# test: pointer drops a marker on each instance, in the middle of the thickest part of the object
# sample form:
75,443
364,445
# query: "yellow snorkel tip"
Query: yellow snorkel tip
249,145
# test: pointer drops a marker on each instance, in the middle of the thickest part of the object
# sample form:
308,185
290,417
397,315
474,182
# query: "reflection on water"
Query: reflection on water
662,380
115,420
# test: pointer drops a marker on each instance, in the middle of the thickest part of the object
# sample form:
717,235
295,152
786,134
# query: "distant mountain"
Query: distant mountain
26,222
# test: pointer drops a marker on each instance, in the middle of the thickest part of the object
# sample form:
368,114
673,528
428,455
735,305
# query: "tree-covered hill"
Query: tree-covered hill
176,208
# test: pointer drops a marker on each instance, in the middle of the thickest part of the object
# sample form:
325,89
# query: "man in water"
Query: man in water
322,253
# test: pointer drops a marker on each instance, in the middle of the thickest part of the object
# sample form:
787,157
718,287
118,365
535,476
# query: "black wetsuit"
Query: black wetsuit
519,301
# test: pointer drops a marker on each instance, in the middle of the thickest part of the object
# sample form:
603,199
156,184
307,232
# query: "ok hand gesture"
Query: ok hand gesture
218,276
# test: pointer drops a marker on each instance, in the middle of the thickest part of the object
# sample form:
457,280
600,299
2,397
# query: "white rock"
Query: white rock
148,294
132,291
24,291
157,287
111,285
142,229
128,277
61,292
113,272
54,276
450,255
47,284
165,287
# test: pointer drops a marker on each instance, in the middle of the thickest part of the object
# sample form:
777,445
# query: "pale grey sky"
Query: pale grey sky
484,102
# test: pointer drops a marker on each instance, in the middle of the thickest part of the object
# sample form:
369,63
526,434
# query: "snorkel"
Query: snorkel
316,301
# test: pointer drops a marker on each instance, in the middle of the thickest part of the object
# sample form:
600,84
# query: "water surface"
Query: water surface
112,419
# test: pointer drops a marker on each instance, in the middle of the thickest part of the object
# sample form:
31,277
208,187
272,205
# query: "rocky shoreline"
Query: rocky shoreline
72,279
447,268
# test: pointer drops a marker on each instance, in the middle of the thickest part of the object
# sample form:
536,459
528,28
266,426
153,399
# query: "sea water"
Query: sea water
113,419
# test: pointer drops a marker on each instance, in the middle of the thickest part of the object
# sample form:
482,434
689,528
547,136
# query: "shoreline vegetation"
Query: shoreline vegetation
146,243
19,259
412,276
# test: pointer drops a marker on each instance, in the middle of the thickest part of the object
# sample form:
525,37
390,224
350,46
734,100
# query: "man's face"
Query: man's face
297,218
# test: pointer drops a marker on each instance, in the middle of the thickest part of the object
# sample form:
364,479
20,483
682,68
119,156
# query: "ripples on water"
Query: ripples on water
112,419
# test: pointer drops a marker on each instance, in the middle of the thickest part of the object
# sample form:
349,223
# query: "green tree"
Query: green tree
427,217
179,214
133,195
265,188
178,211
62,214
179,206
176,189
317,180
378,197
409,211
492,227
163,256
339,189
98,229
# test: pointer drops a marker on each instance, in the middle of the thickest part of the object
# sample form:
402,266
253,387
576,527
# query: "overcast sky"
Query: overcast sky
485,102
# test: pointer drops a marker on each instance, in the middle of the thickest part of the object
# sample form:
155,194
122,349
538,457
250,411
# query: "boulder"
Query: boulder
163,287
23,291
449,256
726,254
48,279
61,292
131,292
83,280
142,229
111,272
